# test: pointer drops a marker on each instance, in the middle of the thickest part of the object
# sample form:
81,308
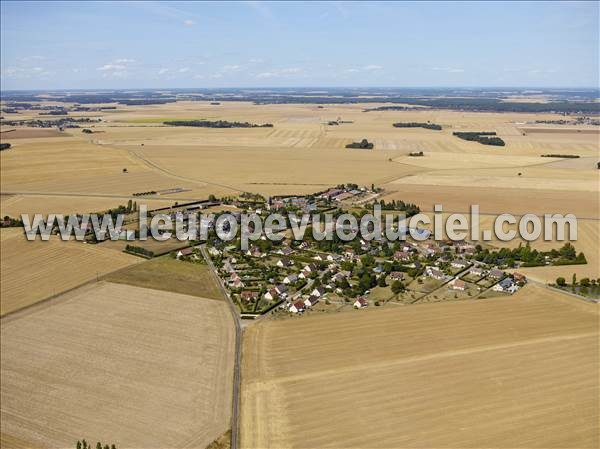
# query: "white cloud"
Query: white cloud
281,73
372,67
111,67
183,70
163,71
448,69
189,23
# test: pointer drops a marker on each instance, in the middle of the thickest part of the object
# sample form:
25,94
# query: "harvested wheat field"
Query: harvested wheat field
32,271
505,373
120,364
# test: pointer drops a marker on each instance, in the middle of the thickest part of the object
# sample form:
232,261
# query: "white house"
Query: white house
360,303
311,301
458,284
297,307
271,294
505,285
318,292
290,278
459,263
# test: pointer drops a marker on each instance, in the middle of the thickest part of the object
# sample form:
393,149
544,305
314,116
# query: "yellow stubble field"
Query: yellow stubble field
504,373
118,364
35,270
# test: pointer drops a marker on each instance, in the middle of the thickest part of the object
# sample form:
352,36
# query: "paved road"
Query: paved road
235,425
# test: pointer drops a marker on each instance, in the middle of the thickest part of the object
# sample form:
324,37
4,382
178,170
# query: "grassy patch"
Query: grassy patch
164,273
223,442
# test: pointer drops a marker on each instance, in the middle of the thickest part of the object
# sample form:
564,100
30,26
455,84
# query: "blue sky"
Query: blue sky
58,45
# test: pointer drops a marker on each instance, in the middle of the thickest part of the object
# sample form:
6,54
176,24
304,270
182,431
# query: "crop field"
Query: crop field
508,372
300,154
120,364
32,271
171,275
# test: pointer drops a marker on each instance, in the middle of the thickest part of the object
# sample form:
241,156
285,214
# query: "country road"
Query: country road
235,401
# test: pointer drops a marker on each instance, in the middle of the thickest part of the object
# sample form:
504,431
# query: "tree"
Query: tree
129,206
574,281
381,282
78,444
585,282
561,282
98,445
212,198
397,287
134,208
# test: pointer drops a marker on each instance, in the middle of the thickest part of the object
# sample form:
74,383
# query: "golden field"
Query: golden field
510,372
119,364
35,270
506,372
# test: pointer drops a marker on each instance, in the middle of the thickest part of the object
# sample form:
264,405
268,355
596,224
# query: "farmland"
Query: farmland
32,271
502,371
508,372
171,275
122,364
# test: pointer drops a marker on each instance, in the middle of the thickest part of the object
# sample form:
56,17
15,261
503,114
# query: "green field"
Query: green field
165,273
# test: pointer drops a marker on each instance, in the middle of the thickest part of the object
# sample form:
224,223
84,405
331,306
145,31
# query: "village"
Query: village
290,277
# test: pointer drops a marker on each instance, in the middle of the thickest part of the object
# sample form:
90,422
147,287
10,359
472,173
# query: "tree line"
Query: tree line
427,125
481,137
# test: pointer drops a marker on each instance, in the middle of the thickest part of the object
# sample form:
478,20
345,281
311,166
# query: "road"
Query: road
235,402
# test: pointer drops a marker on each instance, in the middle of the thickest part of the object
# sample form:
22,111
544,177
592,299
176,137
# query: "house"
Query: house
349,254
333,257
185,252
434,273
318,292
281,289
311,301
360,303
310,268
431,250
271,294
318,257
496,273
518,277
304,245
290,278
402,255
459,263
397,276
285,251
506,286
284,262
378,269
228,267
477,271
236,283
331,193
458,284
343,196
338,277
297,307
254,252
249,296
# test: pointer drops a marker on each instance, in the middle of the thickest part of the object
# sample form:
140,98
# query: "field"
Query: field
120,364
32,271
506,373
171,275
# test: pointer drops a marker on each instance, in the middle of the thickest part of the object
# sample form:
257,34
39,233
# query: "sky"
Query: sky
93,45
